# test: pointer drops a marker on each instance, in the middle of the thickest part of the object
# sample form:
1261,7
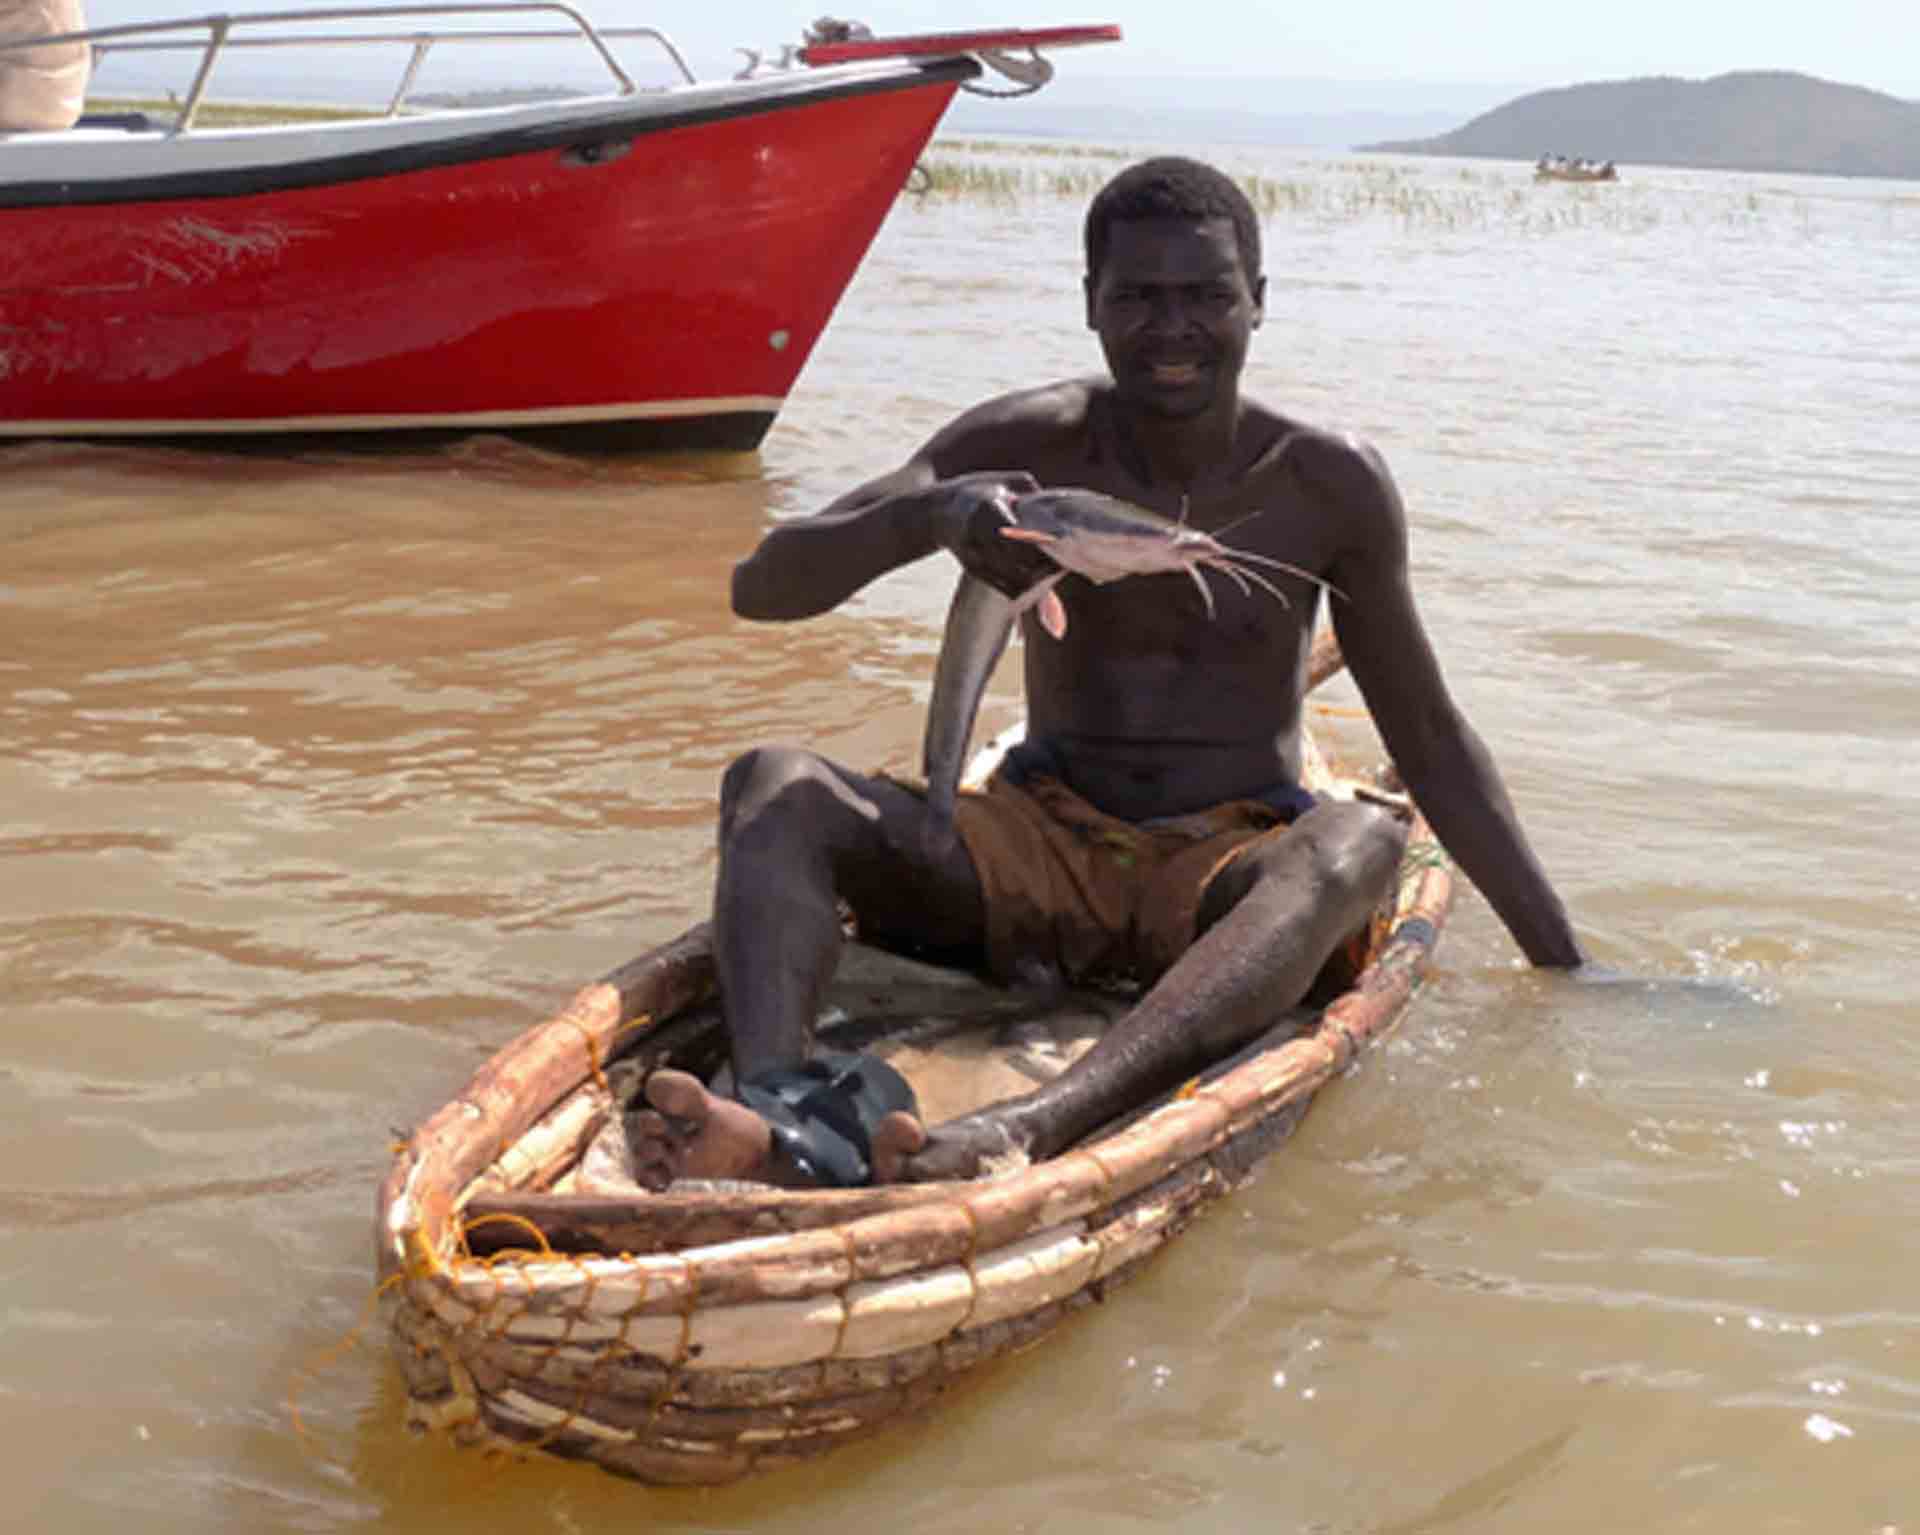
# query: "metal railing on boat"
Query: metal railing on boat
827,42
226,32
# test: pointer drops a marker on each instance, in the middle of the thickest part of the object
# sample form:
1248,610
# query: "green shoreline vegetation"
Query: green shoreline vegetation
229,114
1419,196
1339,191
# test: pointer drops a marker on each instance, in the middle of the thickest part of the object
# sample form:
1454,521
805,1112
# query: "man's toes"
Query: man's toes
654,1173
678,1094
895,1138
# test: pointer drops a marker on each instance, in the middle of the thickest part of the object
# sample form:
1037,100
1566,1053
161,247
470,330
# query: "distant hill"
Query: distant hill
1170,111
1753,121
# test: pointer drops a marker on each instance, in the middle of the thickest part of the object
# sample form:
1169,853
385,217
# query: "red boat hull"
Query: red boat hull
659,283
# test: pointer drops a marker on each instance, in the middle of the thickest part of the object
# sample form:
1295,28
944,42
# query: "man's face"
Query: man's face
1174,309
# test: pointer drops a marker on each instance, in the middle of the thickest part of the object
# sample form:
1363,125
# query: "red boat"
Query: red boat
641,268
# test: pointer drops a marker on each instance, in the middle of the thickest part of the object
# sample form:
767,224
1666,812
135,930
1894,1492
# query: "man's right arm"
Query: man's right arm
813,564
956,494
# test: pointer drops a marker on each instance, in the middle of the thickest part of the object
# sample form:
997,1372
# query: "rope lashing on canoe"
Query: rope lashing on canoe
324,1359
505,1218
595,1064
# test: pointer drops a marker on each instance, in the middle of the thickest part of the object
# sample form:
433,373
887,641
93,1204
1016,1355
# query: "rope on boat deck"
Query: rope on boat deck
1028,74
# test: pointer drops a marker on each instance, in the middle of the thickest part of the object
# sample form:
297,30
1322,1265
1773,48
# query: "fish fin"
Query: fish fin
1029,535
1036,596
1053,614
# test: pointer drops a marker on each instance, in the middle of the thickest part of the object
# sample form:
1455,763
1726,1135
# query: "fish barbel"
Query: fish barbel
1083,532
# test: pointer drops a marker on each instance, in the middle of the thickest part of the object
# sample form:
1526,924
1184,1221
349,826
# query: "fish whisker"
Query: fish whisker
1256,578
1239,580
1248,556
1206,592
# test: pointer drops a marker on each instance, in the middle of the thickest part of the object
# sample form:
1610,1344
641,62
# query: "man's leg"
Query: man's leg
1267,923
797,834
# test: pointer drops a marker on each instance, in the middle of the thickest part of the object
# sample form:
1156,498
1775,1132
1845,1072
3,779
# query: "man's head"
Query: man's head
1172,188
1173,287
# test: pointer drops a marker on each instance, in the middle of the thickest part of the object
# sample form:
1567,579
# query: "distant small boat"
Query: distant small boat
634,268
1559,168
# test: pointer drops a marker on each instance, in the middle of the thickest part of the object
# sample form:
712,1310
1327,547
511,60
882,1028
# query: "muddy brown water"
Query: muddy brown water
321,775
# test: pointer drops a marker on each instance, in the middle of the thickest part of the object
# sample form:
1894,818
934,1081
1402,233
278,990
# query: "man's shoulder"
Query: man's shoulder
1278,439
1333,462
1335,481
1017,429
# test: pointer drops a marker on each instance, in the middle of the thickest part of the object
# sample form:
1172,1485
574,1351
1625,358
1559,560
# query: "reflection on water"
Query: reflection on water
321,774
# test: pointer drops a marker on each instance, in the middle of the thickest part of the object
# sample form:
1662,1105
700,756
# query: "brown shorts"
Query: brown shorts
1098,898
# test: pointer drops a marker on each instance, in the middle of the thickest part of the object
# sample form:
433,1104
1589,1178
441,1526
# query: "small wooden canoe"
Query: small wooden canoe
698,1336
1548,170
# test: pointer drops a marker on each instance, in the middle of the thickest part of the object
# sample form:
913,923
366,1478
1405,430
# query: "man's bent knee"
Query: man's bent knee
774,779
760,774
1366,842
1355,847
1334,854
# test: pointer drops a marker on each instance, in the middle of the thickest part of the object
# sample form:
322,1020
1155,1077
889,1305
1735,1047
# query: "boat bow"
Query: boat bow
645,266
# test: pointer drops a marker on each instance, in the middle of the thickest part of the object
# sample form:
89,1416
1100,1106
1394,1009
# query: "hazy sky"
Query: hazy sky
1874,43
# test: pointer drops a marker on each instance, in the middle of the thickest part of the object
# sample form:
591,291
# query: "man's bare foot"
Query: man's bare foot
688,1132
960,1148
895,1138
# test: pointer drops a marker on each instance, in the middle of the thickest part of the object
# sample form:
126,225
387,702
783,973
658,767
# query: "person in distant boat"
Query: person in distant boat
1153,827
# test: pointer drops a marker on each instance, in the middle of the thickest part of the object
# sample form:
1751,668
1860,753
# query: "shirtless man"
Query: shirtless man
1145,710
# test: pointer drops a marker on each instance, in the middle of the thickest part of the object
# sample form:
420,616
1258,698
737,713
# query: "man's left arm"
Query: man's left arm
1437,752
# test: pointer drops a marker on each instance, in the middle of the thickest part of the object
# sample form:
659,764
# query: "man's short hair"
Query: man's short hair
1172,187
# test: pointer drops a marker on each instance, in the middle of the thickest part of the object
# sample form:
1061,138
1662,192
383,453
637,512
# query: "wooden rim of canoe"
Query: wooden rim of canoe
694,1337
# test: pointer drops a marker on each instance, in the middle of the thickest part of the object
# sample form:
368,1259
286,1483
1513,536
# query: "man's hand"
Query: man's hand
967,519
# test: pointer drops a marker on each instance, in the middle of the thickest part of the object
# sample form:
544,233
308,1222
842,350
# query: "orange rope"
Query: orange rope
324,1358
509,1218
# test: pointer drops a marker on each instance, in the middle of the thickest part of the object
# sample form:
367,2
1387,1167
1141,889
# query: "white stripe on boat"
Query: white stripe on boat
558,415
